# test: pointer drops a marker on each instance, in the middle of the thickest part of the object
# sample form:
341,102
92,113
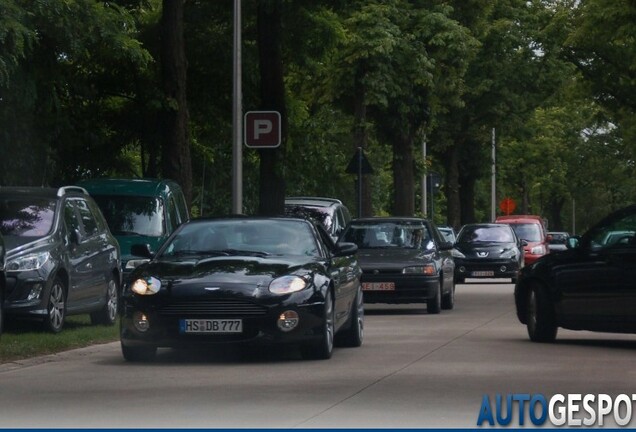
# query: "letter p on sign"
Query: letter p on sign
262,129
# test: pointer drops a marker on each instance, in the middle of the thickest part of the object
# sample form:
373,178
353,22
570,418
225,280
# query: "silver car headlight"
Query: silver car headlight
28,262
146,286
457,254
287,285
509,253
538,250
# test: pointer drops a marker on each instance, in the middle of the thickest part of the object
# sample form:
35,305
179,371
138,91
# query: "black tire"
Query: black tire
434,305
107,315
55,307
138,354
354,334
448,300
541,321
323,349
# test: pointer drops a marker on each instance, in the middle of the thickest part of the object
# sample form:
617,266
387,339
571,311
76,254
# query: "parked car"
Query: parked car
557,240
244,280
330,212
487,250
2,281
139,211
403,260
61,258
590,286
448,233
530,228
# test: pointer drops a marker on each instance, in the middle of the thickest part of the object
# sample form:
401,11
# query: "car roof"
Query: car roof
136,187
520,218
389,219
43,192
312,201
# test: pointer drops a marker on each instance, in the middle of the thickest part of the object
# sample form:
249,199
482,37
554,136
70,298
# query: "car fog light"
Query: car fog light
140,321
462,269
503,269
288,320
36,291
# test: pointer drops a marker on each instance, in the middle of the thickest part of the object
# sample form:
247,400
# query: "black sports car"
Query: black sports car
589,286
404,260
244,280
487,250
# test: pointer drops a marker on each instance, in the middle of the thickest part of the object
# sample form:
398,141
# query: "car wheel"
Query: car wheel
324,348
541,322
434,305
448,300
354,335
55,307
138,354
107,315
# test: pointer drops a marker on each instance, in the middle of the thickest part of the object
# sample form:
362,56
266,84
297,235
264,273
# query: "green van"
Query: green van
142,211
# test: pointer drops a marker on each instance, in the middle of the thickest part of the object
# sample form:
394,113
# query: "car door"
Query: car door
97,252
598,284
78,258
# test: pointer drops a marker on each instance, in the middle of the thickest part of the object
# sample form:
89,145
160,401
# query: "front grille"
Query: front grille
213,308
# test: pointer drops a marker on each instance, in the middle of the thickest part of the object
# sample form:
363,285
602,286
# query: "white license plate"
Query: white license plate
483,273
210,326
378,286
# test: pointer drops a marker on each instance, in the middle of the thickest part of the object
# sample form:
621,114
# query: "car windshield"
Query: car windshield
486,235
132,215
243,237
374,235
26,217
528,231
448,234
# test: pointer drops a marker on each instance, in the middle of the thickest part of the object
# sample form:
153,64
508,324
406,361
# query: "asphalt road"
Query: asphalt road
414,370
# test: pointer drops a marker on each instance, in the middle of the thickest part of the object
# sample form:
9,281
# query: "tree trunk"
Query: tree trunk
360,139
176,161
403,175
453,200
272,182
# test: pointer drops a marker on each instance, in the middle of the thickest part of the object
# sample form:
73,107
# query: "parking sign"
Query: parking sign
262,129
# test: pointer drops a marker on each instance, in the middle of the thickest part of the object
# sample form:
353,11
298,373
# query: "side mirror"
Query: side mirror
142,250
524,242
344,249
446,245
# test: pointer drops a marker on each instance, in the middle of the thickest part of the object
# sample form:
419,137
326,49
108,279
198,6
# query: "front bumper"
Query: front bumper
19,285
408,288
480,268
259,320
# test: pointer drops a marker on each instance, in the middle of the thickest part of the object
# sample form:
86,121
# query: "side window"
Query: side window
88,220
70,218
97,213
173,216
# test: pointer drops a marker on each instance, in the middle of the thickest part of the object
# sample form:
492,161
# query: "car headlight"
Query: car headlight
287,284
134,263
457,254
146,286
28,262
427,269
509,253
538,250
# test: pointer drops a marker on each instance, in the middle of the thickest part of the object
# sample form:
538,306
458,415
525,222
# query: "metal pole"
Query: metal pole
493,187
573,217
237,117
359,182
424,192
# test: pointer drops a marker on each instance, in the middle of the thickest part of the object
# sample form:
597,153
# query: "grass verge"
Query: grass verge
25,339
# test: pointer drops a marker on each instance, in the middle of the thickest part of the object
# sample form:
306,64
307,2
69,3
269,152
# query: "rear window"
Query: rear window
531,232
133,215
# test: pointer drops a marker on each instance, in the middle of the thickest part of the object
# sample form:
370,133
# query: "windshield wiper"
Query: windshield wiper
245,252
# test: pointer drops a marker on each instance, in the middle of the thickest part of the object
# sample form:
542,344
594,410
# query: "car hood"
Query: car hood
231,274
478,249
392,258
17,244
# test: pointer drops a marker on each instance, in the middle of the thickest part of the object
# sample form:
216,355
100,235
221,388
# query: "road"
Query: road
414,370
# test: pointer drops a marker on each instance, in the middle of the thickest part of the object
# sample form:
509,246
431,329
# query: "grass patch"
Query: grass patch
25,339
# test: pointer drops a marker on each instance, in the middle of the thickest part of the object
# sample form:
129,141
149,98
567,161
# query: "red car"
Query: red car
530,228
